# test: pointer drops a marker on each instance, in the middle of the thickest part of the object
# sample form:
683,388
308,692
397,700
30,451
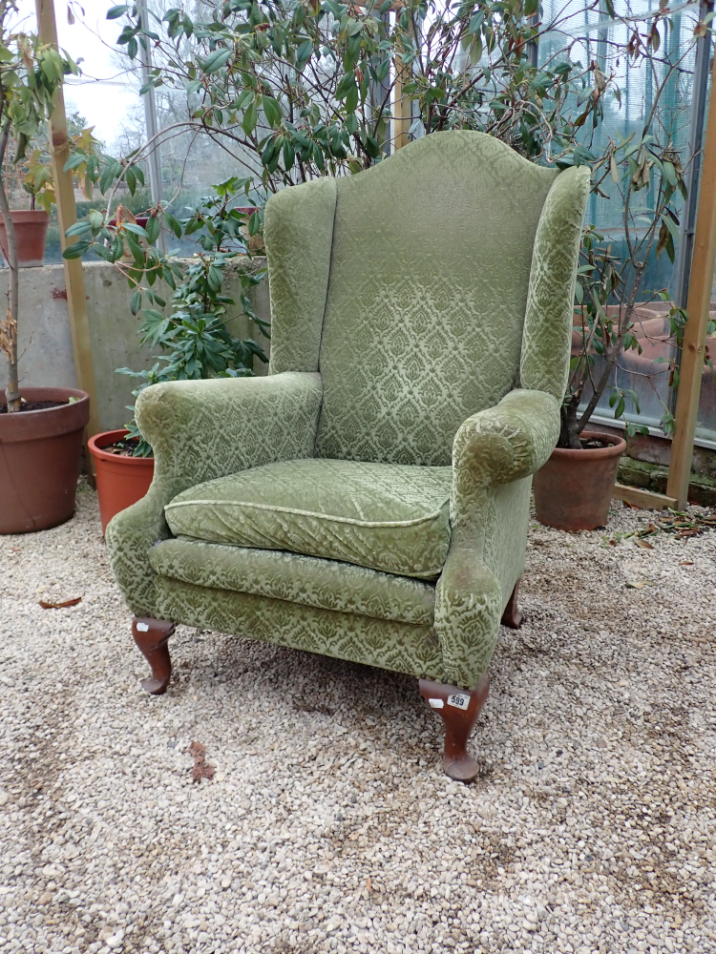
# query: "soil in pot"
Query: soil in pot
574,489
40,454
122,480
31,235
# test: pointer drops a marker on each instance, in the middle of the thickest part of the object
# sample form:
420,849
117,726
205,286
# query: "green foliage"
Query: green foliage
297,89
192,328
30,74
608,287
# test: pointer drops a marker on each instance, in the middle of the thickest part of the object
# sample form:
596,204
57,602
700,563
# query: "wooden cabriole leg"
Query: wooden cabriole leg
459,711
512,617
151,636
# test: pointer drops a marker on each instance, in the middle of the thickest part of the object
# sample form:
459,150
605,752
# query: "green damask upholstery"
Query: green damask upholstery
387,517
421,319
324,584
437,306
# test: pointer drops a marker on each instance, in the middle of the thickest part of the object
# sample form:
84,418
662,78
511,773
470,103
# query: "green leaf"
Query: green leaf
152,229
216,60
251,116
304,53
79,228
272,110
135,229
115,12
345,85
352,99
669,172
75,160
75,251
173,224
103,252
135,248
136,302
671,226
214,278
289,155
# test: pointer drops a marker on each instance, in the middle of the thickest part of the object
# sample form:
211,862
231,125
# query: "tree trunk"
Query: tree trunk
569,424
8,327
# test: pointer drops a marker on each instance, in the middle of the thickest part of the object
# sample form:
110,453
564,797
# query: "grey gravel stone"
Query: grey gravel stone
591,827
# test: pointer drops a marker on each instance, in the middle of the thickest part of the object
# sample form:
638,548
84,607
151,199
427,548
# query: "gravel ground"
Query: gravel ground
328,825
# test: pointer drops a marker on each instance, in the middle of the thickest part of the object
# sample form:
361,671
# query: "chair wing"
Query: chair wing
299,231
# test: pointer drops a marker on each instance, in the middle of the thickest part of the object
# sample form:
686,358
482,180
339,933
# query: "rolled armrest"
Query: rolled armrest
201,430
499,445
494,451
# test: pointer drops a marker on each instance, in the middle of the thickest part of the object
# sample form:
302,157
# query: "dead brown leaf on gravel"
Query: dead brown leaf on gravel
201,768
62,605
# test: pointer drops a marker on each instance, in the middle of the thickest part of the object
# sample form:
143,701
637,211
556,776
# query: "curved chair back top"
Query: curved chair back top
407,287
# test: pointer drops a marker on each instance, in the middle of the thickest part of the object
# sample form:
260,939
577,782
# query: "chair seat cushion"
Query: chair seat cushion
388,517
323,584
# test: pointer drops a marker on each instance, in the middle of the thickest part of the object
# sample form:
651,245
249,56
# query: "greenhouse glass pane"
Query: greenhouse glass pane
594,36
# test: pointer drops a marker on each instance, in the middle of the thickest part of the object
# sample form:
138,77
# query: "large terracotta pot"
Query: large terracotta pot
40,454
31,235
121,481
574,488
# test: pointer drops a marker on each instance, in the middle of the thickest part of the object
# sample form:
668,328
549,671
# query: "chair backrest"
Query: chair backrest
407,287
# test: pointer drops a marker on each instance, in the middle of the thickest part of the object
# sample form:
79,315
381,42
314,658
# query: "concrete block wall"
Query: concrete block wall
45,342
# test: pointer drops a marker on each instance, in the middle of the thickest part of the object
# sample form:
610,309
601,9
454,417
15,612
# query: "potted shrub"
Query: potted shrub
573,490
33,177
195,337
40,428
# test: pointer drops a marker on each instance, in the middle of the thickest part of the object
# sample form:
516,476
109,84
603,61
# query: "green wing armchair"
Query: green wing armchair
369,499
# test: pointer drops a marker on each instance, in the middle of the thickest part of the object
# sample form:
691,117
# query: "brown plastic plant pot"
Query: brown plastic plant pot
121,481
40,454
574,488
30,234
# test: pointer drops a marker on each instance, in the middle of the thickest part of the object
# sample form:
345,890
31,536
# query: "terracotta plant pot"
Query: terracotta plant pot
31,234
40,454
574,488
121,481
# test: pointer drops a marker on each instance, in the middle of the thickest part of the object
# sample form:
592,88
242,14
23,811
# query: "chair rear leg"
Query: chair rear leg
459,710
151,636
512,617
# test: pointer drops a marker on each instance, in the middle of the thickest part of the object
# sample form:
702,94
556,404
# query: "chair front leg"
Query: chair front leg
151,636
459,710
512,616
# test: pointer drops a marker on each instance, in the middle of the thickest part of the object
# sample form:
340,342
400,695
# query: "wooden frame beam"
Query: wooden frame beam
401,106
691,365
646,499
67,216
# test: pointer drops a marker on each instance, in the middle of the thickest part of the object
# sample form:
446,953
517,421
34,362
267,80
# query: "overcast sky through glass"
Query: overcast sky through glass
103,95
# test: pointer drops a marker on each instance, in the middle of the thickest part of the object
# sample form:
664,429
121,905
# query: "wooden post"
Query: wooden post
67,216
401,107
691,365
